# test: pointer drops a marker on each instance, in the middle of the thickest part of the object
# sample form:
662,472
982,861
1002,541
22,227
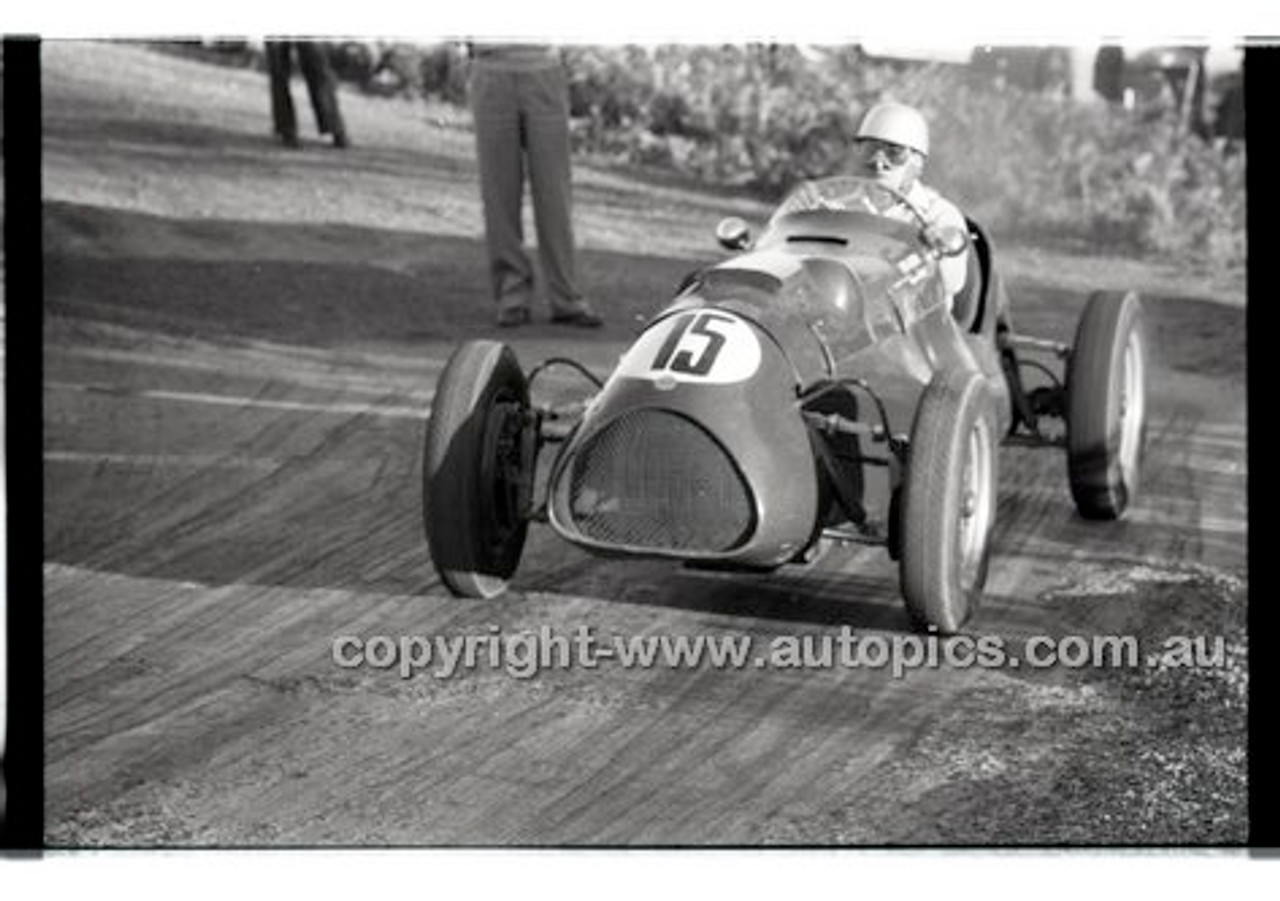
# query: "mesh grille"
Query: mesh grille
652,479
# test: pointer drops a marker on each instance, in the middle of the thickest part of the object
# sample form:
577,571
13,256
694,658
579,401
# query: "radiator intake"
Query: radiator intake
654,479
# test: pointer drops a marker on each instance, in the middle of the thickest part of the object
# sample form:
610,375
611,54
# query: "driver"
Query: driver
892,145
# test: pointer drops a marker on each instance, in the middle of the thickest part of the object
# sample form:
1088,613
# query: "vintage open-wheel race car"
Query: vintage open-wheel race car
814,388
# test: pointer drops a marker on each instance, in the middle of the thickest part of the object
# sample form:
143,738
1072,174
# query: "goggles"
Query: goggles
896,154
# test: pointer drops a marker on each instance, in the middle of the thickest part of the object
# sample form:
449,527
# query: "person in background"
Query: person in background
314,63
520,100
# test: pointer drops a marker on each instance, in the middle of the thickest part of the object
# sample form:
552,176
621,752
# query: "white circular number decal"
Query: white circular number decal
708,346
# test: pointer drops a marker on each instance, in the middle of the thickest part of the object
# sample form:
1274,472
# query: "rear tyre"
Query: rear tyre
477,470
1107,405
949,501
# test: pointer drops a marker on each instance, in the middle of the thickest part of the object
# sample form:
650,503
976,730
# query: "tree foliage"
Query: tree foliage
762,117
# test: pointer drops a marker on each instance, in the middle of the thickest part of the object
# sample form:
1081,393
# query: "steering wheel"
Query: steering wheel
930,234
900,198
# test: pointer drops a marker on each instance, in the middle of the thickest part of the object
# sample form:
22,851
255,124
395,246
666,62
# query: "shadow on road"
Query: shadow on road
319,285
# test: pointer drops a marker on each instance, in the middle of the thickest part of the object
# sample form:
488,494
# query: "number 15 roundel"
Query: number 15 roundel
704,346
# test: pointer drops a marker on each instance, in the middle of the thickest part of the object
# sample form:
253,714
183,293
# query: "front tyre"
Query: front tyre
949,501
476,470
1107,405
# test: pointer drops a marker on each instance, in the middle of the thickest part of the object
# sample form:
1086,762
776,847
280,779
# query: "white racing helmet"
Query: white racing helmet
896,123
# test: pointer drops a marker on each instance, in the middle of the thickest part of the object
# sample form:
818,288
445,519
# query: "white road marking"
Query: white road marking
337,409
344,409
1238,441
1184,517
1222,429
155,461
241,364
1218,465
1200,523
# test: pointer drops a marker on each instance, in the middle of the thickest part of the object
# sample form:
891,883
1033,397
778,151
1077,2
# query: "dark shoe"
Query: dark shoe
513,316
340,140
581,317
290,141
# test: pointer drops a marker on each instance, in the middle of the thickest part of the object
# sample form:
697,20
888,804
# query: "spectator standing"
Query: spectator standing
520,101
314,63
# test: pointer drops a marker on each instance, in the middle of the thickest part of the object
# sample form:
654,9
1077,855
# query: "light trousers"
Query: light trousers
522,126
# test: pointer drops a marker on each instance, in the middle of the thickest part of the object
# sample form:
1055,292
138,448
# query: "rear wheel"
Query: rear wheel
1107,405
949,501
477,470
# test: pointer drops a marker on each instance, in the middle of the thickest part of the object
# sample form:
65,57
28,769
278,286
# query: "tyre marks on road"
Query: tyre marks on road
196,362
1192,506
1187,515
618,755
277,462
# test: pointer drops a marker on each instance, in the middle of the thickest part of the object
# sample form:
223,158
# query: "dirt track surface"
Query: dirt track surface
240,347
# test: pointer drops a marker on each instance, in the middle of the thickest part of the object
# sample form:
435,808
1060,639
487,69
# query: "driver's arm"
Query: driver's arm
954,270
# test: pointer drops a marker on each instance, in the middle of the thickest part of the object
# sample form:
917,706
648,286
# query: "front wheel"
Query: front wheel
1107,405
949,501
477,470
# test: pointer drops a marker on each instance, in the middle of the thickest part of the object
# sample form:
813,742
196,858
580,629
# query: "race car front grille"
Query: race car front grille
655,480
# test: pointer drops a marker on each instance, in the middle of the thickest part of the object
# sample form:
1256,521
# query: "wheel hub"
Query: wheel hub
975,501
1132,403
501,469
